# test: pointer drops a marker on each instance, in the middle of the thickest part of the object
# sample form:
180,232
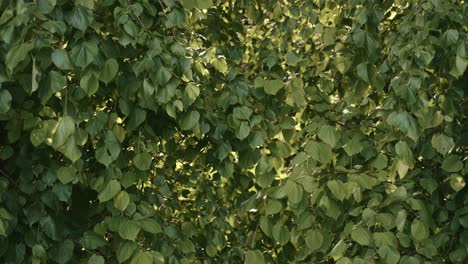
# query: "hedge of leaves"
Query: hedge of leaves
238,131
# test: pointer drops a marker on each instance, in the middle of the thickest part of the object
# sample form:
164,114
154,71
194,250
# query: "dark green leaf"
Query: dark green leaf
109,70
319,151
89,83
84,54
17,54
419,230
144,257
96,259
61,60
109,191
189,120
254,257
142,161
272,86
5,101
65,129
126,250
361,236
452,164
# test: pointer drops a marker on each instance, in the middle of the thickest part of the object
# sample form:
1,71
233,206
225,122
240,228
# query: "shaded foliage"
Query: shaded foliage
200,131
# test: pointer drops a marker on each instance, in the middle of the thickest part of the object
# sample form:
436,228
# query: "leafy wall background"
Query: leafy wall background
233,131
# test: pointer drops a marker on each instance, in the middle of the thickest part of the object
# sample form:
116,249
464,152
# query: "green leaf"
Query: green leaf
34,75
457,182
191,93
109,71
65,129
204,4
242,113
70,150
66,174
293,191
189,120
429,118
45,6
149,87
220,64
419,230
92,240
361,236
223,151
338,189
451,36
442,143
458,255
109,191
16,54
85,3
128,229
126,250
142,161
109,151
273,207
406,123
389,255
281,234
328,135
404,152
362,72
61,60
84,54
401,220
143,257
64,252
380,162
292,59
38,251
163,75
5,101
296,96
49,227
354,146
338,250
80,18
280,149
319,151
175,18
186,246
136,118
452,164
342,64
150,225
89,83
272,86
121,200
189,4
254,257
314,239
96,259
460,66
402,167
55,26
243,131
3,229
55,83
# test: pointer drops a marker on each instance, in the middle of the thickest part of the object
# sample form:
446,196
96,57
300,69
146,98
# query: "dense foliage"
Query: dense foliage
237,131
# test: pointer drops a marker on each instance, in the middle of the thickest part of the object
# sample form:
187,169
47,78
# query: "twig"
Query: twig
9,178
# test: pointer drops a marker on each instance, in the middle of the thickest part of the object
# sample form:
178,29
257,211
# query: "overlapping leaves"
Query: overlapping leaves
233,132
